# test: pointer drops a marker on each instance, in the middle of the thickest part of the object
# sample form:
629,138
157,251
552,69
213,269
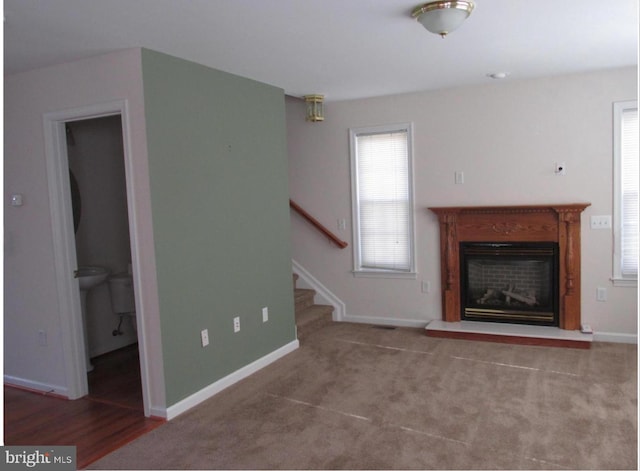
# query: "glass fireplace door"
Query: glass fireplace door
509,282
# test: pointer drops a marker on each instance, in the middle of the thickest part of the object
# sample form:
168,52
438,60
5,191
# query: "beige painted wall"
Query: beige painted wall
506,137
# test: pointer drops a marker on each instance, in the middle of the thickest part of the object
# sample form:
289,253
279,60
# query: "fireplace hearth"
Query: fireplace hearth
552,227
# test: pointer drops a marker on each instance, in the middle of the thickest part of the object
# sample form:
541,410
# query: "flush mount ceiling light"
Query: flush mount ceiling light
315,107
443,17
498,75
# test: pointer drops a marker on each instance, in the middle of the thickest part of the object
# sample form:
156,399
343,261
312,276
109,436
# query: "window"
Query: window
382,193
625,157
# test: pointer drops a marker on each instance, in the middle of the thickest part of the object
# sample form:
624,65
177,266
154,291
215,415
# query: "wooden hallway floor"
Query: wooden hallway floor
108,418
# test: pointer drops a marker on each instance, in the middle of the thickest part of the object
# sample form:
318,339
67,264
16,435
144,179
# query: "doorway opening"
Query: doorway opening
66,265
95,154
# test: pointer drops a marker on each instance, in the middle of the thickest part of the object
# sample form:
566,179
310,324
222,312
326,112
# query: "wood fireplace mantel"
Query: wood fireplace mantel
545,223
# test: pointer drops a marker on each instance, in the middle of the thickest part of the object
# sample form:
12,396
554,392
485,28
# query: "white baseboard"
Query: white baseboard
614,337
36,385
323,294
187,403
390,321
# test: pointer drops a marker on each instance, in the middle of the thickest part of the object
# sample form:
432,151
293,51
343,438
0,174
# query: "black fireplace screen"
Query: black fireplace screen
510,282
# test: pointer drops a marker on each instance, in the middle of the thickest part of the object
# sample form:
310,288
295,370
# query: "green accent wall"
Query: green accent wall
219,192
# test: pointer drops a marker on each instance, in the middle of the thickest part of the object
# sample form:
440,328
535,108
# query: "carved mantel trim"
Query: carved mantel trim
536,223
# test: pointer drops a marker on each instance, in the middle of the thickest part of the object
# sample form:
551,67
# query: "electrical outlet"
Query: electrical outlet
601,294
236,324
601,222
586,329
426,287
342,224
265,314
459,178
204,337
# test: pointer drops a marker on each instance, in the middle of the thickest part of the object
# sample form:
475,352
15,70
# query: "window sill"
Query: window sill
625,282
385,274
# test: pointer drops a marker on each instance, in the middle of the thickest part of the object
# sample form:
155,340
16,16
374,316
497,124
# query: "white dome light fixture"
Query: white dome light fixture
443,17
498,75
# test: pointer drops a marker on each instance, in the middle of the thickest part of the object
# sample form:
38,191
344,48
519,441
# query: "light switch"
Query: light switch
601,222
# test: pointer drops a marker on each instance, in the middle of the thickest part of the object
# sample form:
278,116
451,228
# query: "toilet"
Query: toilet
122,296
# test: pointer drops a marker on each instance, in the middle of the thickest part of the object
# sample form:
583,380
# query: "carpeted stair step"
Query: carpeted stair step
309,316
303,298
312,318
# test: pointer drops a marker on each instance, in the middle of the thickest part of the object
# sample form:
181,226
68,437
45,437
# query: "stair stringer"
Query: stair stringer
323,294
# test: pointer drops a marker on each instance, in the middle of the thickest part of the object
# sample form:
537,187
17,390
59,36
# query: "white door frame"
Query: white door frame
64,243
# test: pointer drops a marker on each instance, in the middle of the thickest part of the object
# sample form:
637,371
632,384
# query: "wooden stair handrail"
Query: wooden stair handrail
330,235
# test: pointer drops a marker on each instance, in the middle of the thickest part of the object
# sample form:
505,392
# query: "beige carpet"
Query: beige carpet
361,397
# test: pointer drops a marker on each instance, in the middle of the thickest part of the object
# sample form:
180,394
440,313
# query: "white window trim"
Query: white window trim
381,273
618,279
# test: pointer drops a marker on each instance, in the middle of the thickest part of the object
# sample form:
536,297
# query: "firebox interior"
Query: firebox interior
510,282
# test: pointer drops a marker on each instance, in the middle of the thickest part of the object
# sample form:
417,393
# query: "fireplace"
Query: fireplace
483,230
509,282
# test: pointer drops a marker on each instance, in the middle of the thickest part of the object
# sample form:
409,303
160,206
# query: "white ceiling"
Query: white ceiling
341,48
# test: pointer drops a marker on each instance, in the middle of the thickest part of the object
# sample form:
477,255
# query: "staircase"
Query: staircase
309,316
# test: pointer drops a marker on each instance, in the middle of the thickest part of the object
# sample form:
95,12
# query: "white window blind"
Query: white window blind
629,189
626,189
383,206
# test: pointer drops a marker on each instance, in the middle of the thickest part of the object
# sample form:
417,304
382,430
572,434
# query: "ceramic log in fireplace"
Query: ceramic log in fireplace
555,226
